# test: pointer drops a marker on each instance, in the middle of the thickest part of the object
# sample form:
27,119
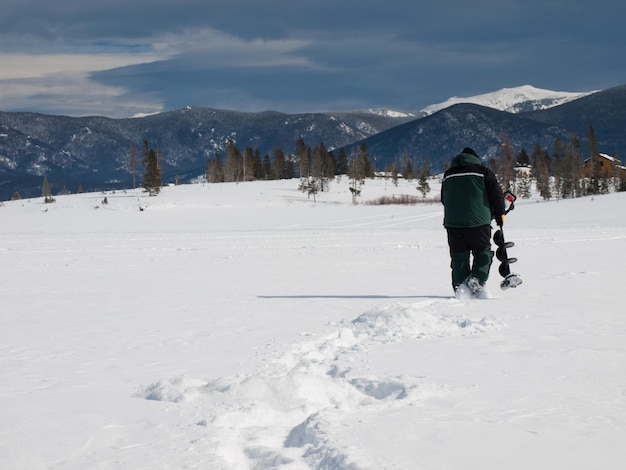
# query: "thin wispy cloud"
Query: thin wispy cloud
222,49
16,66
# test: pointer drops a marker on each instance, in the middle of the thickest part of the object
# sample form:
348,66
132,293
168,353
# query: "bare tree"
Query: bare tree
570,169
506,164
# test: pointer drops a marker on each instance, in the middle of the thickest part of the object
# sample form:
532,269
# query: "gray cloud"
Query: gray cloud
146,55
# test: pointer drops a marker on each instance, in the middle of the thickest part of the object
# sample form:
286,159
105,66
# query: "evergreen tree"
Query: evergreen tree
523,159
311,169
290,167
360,165
524,185
622,181
46,191
541,169
342,162
595,174
152,181
280,166
494,165
358,171
247,164
214,171
570,173
407,172
309,185
619,176
307,163
559,162
523,179
233,166
332,165
267,167
45,187
303,158
133,164
365,162
393,170
258,166
317,169
326,170
317,163
423,175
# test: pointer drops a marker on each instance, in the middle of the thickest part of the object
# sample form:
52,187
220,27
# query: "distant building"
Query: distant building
523,170
608,167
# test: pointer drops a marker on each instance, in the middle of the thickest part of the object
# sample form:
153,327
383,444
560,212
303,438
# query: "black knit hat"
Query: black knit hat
470,151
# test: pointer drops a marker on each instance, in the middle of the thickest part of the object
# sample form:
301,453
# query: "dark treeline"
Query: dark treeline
564,173
233,165
315,166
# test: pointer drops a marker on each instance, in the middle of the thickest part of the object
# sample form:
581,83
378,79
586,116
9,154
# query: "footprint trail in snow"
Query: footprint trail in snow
285,415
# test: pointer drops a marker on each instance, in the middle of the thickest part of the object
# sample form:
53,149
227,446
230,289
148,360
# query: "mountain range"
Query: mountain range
441,135
94,152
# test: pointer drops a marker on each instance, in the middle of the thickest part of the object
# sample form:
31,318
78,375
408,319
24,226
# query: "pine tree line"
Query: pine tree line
564,174
304,162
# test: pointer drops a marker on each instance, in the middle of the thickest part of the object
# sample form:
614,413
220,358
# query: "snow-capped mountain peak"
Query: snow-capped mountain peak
513,100
392,113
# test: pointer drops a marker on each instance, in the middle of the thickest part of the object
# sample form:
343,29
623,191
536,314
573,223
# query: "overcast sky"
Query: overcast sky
118,58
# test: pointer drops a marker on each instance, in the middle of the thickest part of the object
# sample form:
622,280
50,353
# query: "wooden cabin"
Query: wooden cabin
607,166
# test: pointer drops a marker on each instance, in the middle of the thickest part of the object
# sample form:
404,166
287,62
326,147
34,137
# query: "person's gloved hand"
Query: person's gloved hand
500,220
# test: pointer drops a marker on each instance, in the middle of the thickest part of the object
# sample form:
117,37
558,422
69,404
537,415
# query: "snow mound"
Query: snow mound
175,390
413,321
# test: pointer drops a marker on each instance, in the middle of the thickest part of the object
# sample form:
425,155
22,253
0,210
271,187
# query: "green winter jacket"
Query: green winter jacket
470,193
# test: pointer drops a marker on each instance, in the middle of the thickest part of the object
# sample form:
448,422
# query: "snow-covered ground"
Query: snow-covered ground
242,326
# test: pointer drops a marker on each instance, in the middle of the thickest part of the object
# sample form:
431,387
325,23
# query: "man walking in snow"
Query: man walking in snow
471,198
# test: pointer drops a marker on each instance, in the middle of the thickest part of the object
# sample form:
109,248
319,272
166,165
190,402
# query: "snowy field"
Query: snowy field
242,326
